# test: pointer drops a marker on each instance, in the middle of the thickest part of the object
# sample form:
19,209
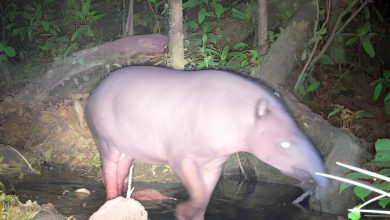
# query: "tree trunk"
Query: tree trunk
176,35
262,26
129,26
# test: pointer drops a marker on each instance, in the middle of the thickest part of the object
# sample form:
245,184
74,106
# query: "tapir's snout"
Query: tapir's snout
308,178
301,161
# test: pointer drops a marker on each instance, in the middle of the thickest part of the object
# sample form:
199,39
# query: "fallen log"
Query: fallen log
118,52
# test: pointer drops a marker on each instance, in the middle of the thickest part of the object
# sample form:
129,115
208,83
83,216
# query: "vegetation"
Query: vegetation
11,208
367,34
39,29
366,182
210,51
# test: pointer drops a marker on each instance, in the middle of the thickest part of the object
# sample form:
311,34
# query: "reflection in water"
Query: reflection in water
231,199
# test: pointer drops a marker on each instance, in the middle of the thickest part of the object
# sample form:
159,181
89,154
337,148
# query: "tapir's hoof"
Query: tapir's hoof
189,211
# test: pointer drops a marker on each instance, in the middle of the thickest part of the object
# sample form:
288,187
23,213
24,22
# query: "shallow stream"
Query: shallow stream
231,199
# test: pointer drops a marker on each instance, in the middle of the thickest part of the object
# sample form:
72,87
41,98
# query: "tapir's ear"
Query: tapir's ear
262,107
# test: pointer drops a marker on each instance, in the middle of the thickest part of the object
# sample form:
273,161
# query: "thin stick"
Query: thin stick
376,175
28,164
370,211
241,167
130,178
354,183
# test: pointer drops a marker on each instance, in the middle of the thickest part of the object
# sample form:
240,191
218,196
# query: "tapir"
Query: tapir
193,121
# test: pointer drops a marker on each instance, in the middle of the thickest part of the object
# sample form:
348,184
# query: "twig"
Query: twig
370,211
383,193
354,183
25,160
337,30
364,171
241,167
303,74
155,16
130,178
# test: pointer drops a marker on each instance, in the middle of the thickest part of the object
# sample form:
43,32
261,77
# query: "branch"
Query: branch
337,30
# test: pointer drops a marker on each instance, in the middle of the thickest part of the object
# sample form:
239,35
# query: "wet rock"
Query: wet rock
82,193
120,208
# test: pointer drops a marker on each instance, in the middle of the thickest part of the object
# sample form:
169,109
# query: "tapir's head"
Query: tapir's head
280,143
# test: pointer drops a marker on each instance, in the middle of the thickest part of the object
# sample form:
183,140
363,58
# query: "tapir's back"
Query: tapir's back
154,107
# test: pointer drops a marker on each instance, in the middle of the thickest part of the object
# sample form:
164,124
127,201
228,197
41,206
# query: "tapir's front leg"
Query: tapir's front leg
200,181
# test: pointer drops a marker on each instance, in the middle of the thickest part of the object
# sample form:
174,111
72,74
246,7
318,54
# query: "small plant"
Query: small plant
380,86
364,35
11,208
6,52
366,182
96,160
35,26
207,53
78,13
347,116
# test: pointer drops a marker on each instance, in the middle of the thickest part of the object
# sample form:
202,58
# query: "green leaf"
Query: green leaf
386,74
354,215
238,14
366,13
387,103
29,34
377,91
351,41
334,112
225,52
382,156
3,57
364,29
385,172
9,51
384,202
191,4
192,24
385,186
86,6
357,175
382,145
45,25
344,186
244,63
218,9
304,55
240,46
360,192
313,86
387,97
81,30
326,60
201,16
368,47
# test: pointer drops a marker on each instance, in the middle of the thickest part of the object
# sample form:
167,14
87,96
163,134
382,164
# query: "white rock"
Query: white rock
120,208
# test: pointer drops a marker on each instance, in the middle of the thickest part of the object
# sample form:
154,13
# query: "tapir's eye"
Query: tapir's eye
285,144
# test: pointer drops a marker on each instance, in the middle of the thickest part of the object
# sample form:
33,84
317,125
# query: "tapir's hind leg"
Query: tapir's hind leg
200,182
124,164
115,168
